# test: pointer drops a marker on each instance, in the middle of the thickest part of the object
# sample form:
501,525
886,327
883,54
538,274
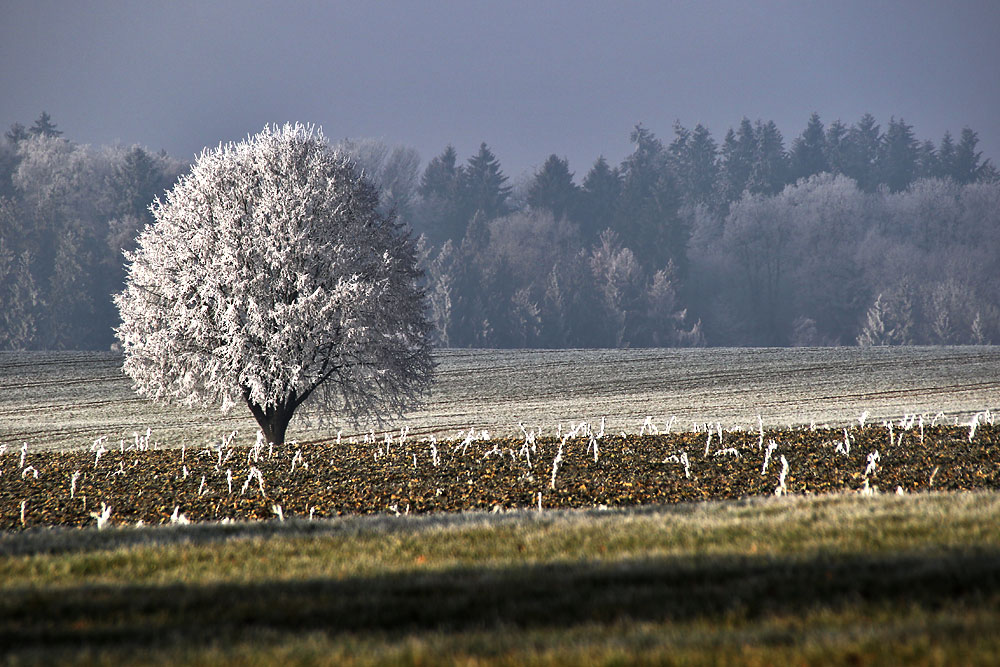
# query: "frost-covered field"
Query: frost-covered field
68,399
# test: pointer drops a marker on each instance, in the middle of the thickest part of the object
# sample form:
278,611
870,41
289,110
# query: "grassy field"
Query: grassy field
819,580
664,548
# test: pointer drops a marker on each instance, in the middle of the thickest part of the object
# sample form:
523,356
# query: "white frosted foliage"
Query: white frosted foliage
269,277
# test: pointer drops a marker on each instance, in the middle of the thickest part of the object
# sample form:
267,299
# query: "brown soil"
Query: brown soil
363,478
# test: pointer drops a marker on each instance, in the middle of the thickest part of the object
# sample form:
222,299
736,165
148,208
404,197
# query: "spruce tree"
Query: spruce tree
553,189
898,156
927,160
482,185
809,151
45,127
599,197
696,161
836,147
969,166
864,141
16,134
737,155
946,157
646,217
443,209
441,174
769,170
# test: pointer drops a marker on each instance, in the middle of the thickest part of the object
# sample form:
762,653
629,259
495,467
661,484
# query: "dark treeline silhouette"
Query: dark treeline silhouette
850,235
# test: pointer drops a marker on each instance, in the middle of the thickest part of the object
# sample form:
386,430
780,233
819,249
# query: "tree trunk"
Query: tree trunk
274,420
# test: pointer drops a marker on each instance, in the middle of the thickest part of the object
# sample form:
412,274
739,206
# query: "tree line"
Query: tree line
850,235
66,213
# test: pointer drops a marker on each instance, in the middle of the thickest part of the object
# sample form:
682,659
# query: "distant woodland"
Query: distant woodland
849,234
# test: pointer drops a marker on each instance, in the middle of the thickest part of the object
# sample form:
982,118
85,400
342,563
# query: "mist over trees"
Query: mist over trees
847,234
66,213
850,235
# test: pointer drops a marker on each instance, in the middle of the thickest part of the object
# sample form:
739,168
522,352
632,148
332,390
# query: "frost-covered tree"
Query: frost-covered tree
270,278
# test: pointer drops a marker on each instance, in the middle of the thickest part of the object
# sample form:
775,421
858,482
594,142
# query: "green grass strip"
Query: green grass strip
833,578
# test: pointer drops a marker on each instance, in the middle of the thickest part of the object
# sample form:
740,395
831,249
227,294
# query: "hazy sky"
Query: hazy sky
529,78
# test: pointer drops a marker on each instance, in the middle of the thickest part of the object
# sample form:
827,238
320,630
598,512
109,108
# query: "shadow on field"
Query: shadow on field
733,588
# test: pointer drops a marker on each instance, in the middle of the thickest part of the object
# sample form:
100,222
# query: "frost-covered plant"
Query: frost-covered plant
529,436
771,446
270,277
844,447
99,451
873,460
298,459
102,516
683,460
254,473
728,451
781,489
555,463
973,424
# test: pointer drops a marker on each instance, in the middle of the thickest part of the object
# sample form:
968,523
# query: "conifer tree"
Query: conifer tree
44,127
483,185
553,189
737,155
696,161
599,196
442,210
898,156
646,218
16,134
836,147
927,160
809,151
769,169
968,165
946,157
864,142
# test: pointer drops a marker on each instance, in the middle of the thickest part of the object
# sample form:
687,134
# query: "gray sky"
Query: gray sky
529,78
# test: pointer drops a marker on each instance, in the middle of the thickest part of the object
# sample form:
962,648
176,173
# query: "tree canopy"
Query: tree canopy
270,277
